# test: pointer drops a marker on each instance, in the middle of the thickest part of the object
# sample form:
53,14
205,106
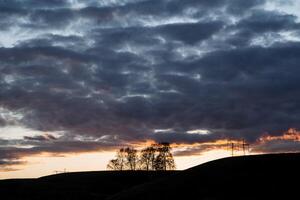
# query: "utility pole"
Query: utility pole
238,146
230,146
245,147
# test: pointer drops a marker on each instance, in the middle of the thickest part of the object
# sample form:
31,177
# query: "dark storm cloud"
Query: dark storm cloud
2,122
14,4
186,138
191,33
125,69
46,137
278,146
262,23
199,149
6,165
12,154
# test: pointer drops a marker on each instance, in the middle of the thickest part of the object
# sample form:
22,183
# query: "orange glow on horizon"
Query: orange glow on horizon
292,135
185,155
46,164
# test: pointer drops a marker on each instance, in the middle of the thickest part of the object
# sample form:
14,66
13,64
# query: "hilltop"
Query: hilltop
249,177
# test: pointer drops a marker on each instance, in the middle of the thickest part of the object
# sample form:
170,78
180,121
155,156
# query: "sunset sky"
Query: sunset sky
82,78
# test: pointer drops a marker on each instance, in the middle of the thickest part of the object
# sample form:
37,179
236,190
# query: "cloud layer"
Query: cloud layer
120,70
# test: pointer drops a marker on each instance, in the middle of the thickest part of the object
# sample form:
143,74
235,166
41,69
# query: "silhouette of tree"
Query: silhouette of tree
147,158
164,160
131,158
119,162
113,165
126,159
156,157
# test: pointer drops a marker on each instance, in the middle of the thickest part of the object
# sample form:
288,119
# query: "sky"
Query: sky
80,79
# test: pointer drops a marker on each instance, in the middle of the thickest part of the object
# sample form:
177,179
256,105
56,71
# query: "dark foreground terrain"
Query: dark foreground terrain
76,186
252,177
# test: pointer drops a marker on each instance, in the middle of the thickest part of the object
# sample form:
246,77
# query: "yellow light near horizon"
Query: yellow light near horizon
185,162
43,165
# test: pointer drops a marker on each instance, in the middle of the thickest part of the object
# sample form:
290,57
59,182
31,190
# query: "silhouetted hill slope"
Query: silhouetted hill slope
75,186
250,177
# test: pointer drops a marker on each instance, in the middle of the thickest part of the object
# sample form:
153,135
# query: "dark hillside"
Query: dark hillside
73,186
250,177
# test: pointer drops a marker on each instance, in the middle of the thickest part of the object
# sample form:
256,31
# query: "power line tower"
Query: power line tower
245,146
231,147
238,146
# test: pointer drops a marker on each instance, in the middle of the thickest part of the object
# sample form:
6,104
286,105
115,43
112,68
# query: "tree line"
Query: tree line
156,157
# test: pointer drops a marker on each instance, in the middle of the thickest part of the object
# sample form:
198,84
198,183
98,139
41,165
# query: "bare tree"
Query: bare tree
119,162
131,158
156,157
126,159
147,158
113,165
164,160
